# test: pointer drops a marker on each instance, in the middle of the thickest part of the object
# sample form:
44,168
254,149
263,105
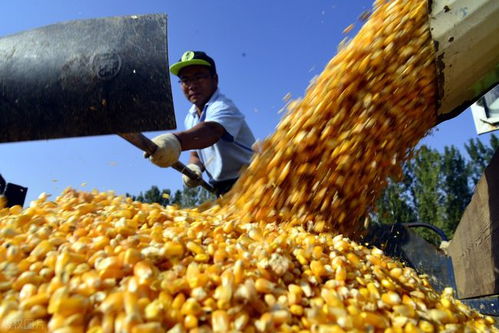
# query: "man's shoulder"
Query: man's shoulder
190,113
220,101
190,118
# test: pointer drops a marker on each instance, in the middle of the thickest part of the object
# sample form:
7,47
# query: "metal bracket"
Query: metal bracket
490,121
485,305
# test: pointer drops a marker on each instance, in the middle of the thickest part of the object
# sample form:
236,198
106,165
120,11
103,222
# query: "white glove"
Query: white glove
168,150
191,182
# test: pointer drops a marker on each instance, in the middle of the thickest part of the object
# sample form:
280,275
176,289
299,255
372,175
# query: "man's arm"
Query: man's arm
197,167
172,144
194,159
202,135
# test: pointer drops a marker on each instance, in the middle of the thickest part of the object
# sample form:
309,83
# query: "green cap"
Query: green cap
190,58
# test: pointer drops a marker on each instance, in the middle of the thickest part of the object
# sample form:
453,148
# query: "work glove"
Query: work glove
196,169
168,151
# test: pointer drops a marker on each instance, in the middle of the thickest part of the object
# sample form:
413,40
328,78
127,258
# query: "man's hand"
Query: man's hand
257,146
192,182
168,151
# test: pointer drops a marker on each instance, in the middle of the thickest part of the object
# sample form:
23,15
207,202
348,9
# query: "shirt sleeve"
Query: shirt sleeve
226,115
189,120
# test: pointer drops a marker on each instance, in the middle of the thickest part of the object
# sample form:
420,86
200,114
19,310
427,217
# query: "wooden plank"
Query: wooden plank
475,247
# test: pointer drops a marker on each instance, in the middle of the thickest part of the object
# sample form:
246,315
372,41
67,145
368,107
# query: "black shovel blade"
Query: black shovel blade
86,77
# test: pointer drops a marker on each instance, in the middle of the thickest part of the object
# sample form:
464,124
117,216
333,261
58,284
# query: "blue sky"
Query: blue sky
263,50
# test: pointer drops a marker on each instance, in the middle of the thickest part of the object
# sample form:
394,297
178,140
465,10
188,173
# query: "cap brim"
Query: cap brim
175,68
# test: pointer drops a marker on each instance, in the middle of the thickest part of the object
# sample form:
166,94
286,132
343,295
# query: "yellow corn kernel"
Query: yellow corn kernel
194,248
341,273
191,307
27,290
42,249
388,284
113,303
202,257
151,327
178,301
296,310
317,268
373,290
280,316
220,321
264,286
75,320
131,257
190,322
353,259
66,306
238,271
374,319
144,271
39,299
426,326
391,298
294,294
317,252
38,311
131,304
440,316
241,321
173,249
153,311
396,272
110,267
26,277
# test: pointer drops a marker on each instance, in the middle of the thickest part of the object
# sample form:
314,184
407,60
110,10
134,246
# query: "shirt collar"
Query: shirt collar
213,97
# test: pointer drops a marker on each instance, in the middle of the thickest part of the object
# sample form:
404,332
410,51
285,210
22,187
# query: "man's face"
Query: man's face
198,84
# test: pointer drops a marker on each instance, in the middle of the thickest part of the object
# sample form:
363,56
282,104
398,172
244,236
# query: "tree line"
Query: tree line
185,198
435,187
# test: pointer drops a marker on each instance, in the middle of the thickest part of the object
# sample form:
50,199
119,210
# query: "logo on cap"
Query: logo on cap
187,56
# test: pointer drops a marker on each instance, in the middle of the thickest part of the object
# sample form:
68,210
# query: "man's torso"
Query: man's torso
224,159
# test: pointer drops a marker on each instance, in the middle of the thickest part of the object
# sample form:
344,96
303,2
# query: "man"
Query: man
216,131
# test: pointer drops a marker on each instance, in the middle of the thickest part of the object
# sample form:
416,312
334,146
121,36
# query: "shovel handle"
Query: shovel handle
142,142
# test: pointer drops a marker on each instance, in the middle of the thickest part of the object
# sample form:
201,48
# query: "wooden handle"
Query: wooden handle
142,142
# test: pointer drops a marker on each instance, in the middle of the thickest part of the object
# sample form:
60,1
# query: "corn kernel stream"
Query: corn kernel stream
331,155
276,253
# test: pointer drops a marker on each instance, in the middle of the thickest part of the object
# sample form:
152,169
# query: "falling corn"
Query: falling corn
274,255
332,153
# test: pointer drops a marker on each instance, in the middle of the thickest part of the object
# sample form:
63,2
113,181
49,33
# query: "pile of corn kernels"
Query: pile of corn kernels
99,262
272,256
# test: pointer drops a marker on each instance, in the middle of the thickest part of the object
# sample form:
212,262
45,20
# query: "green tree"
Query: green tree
192,197
435,187
416,198
427,198
480,156
177,198
153,195
455,186
395,204
185,198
